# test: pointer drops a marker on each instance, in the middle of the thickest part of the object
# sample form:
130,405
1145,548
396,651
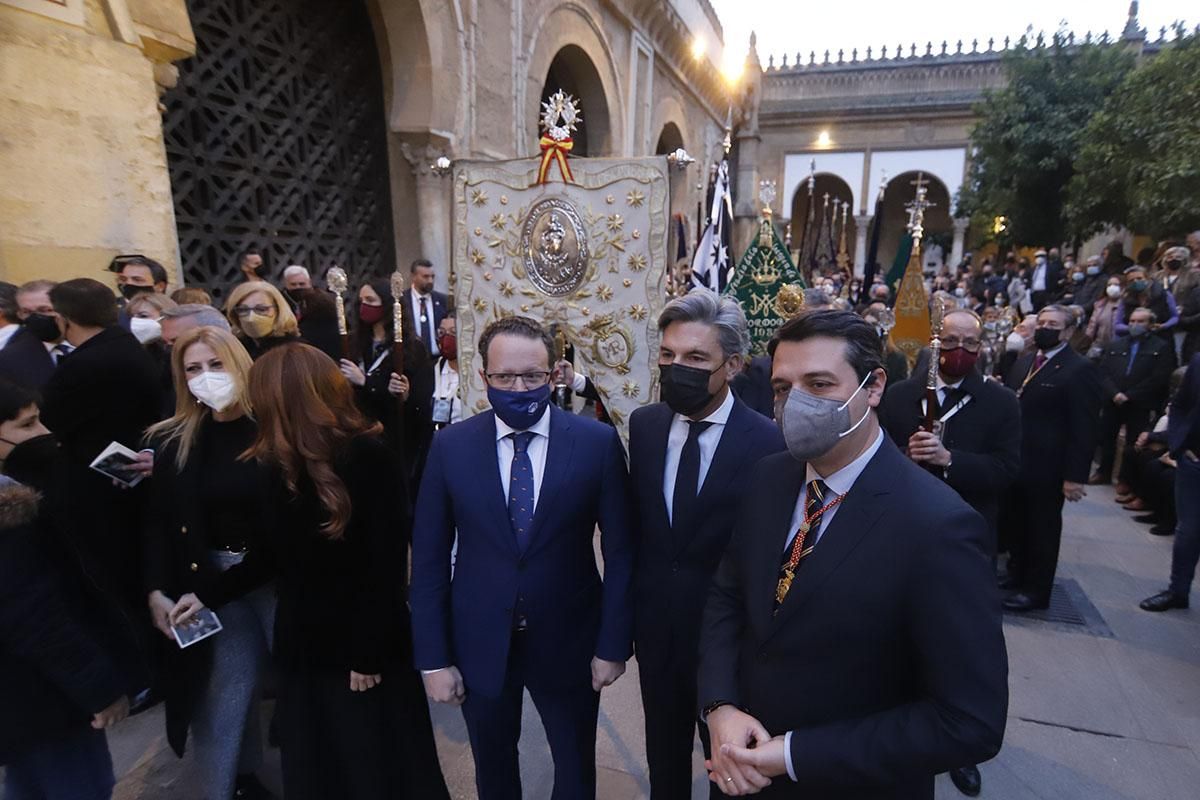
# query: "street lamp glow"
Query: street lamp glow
823,139
698,47
732,66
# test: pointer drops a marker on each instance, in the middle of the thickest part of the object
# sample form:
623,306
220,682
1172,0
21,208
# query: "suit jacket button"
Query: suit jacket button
195,567
674,566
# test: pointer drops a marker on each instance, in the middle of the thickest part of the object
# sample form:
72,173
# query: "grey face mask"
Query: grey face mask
812,425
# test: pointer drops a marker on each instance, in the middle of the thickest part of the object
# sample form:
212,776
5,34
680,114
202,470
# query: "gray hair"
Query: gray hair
205,315
723,313
296,269
1149,311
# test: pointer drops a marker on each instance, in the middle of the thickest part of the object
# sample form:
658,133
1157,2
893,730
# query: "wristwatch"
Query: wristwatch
946,469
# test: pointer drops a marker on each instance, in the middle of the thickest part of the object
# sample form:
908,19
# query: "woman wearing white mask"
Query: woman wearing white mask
1101,327
206,517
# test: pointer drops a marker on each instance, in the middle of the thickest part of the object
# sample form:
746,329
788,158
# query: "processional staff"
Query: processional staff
336,278
398,349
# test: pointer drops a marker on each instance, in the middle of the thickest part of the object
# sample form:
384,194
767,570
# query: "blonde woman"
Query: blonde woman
261,317
206,518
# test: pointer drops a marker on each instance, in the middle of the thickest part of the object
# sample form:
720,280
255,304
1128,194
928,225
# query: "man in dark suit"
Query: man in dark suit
1060,409
31,353
522,487
688,457
976,446
1183,441
851,646
106,390
428,308
1135,371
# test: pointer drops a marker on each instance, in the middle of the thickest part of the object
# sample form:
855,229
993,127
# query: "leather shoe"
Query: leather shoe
967,780
1024,602
1147,519
1123,488
1135,504
1162,529
1122,499
1164,601
1096,480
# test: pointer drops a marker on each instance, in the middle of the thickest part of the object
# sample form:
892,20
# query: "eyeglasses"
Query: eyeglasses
262,311
952,342
507,380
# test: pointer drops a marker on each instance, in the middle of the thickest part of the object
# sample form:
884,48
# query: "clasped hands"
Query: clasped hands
745,758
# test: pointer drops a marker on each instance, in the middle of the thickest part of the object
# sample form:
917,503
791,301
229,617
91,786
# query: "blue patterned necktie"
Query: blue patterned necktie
520,489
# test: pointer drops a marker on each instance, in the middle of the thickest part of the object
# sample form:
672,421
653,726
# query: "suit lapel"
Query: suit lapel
855,518
721,472
656,464
556,474
775,532
492,488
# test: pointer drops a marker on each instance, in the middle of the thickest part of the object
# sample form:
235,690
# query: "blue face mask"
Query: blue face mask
519,410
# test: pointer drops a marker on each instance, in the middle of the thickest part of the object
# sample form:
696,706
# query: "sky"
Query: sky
803,25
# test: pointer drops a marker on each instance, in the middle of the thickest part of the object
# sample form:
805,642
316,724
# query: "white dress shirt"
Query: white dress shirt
1039,277
537,452
6,333
445,387
423,328
708,442
943,388
838,483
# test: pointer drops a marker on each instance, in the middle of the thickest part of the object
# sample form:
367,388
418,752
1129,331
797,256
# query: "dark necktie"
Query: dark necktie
61,351
1133,351
687,478
953,395
1039,361
520,489
426,324
804,541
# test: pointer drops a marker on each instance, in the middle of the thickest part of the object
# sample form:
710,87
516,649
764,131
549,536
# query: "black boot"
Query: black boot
967,780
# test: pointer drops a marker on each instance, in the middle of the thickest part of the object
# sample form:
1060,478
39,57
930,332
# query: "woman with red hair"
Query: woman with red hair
352,717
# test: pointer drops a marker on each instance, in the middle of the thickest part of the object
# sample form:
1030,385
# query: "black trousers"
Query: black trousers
669,703
1037,536
1136,421
370,745
494,727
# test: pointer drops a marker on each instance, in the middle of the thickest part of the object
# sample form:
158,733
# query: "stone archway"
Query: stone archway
820,238
938,225
573,72
570,36
670,139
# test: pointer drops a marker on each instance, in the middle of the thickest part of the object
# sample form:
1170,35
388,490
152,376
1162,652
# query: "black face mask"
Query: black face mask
129,291
1046,338
32,461
43,326
685,389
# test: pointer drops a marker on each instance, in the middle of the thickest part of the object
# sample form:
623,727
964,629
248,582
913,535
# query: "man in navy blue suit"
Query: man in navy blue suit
851,647
689,456
523,487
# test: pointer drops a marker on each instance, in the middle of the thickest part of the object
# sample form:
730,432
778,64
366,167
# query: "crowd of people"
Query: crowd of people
803,550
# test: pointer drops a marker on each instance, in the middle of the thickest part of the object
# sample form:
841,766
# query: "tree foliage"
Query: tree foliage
1139,157
1028,135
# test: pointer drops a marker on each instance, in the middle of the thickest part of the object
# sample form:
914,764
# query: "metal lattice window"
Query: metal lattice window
276,137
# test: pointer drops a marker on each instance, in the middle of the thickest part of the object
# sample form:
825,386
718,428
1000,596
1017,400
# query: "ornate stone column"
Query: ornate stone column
956,251
862,224
433,207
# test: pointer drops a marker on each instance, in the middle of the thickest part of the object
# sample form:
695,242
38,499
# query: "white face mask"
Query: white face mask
145,330
1015,342
1113,291
215,389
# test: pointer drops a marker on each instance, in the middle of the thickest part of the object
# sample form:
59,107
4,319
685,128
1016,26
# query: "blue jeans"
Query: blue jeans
1187,529
76,766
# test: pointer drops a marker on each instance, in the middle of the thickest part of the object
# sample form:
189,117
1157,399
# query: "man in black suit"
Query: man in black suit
428,308
1060,409
688,457
1135,370
30,355
977,447
851,646
107,390
1183,441
1045,280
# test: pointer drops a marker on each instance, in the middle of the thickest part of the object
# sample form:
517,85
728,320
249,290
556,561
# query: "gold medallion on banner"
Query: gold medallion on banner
554,247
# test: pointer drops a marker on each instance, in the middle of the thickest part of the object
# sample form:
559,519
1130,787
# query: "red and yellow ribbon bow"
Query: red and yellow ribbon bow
555,151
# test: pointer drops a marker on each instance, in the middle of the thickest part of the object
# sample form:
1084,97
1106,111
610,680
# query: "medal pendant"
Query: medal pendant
785,583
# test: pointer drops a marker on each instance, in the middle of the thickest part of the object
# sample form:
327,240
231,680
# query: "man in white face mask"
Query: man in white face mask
852,634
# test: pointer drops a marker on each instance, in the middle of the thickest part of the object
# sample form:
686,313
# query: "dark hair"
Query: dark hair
864,352
14,398
420,262
415,354
158,273
250,251
8,301
515,326
86,302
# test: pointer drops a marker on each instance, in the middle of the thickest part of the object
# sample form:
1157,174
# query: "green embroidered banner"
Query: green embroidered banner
767,285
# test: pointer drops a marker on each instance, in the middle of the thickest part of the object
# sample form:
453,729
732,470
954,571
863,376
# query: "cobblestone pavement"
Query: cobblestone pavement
1105,713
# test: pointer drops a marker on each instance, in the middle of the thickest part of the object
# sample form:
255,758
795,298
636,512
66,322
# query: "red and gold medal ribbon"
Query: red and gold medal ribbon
555,151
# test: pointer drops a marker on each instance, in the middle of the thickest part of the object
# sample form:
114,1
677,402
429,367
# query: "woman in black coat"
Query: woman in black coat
205,517
378,388
352,718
